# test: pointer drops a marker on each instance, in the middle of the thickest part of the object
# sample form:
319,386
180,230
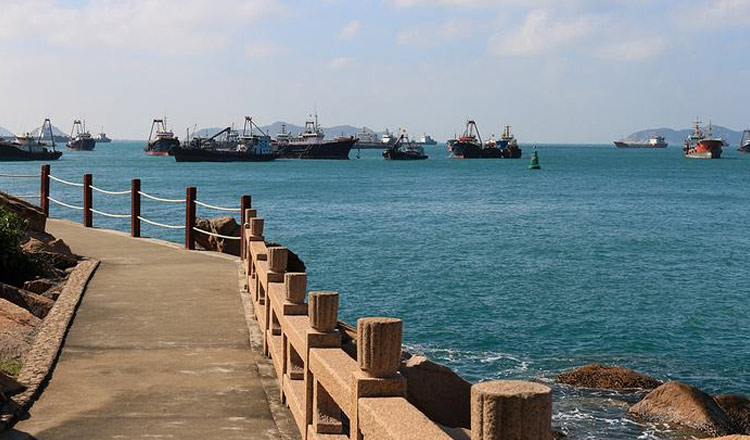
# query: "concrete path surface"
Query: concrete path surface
158,349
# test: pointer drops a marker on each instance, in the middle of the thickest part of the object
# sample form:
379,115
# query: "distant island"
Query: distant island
677,137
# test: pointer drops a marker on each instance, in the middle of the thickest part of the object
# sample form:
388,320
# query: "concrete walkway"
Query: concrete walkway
158,349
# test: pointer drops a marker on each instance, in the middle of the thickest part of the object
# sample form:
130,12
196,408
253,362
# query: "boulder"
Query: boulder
17,330
38,305
437,391
737,408
10,386
608,377
733,437
38,286
56,246
223,226
681,404
32,214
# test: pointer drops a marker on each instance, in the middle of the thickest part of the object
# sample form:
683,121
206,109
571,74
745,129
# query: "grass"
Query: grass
11,368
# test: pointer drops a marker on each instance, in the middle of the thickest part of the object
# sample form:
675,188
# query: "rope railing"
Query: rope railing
151,222
213,234
218,208
63,181
26,197
107,214
20,176
79,208
159,199
111,193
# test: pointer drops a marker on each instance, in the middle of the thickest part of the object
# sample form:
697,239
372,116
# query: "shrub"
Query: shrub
16,266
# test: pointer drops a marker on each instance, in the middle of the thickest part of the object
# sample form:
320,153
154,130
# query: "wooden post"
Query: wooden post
87,200
245,202
190,197
135,207
44,190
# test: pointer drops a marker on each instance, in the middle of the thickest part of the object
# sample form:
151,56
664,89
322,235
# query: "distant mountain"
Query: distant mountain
677,137
60,136
4,133
275,128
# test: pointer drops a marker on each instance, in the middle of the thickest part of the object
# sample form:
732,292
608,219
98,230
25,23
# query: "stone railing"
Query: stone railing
332,395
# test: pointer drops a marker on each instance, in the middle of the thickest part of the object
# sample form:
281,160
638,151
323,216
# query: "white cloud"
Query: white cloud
340,63
350,30
163,26
432,35
261,49
542,32
633,50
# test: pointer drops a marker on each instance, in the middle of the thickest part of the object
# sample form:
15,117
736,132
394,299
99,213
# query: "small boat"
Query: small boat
102,138
745,142
26,147
311,144
426,139
162,141
404,149
654,141
247,147
534,163
80,139
510,145
369,140
700,146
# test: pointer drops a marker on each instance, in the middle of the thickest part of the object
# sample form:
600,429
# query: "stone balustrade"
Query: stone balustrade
333,396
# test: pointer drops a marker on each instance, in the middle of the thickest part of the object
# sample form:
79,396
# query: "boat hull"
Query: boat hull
705,149
81,144
204,155
403,155
463,150
161,147
744,148
621,144
9,153
332,150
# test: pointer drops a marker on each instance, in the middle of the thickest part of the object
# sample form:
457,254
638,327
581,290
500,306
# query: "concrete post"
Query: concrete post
323,311
88,199
135,208
256,227
190,197
277,258
44,190
379,346
511,409
295,284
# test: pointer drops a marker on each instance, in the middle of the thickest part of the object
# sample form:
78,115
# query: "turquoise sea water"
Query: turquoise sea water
628,257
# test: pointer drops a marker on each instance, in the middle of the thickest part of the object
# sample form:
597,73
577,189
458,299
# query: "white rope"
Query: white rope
106,214
159,224
80,208
227,237
218,208
159,199
21,176
57,179
111,193
26,197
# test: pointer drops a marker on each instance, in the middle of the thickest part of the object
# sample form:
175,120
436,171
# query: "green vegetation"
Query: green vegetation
16,266
11,368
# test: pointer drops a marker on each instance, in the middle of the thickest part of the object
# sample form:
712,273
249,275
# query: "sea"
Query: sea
637,258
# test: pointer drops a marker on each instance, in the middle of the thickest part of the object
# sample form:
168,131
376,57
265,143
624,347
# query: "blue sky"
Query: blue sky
556,70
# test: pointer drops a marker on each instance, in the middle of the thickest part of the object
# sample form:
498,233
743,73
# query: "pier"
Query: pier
171,342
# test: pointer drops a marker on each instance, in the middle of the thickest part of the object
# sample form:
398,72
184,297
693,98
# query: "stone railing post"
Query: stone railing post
322,310
44,190
511,409
88,200
135,208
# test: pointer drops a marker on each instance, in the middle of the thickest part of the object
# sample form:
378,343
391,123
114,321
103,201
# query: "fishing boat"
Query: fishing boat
26,147
369,140
426,139
700,146
404,149
654,141
161,141
510,145
224,146
80,138
102,138
470,146
745,142
311,144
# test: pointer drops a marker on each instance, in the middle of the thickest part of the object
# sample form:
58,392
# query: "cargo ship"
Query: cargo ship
80,139
699,146
162,141
653,141
247,147
404,149
745,142
26,147
311,144
369,140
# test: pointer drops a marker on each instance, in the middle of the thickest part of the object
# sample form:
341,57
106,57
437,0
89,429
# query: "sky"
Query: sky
555,70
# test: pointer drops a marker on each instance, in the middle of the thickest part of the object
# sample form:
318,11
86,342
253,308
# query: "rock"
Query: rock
32,214
223,226
457,433
17,330
737,408
56,246
293,262
38,305
437,391
682,404
733,437
607,377
10,386
38,286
